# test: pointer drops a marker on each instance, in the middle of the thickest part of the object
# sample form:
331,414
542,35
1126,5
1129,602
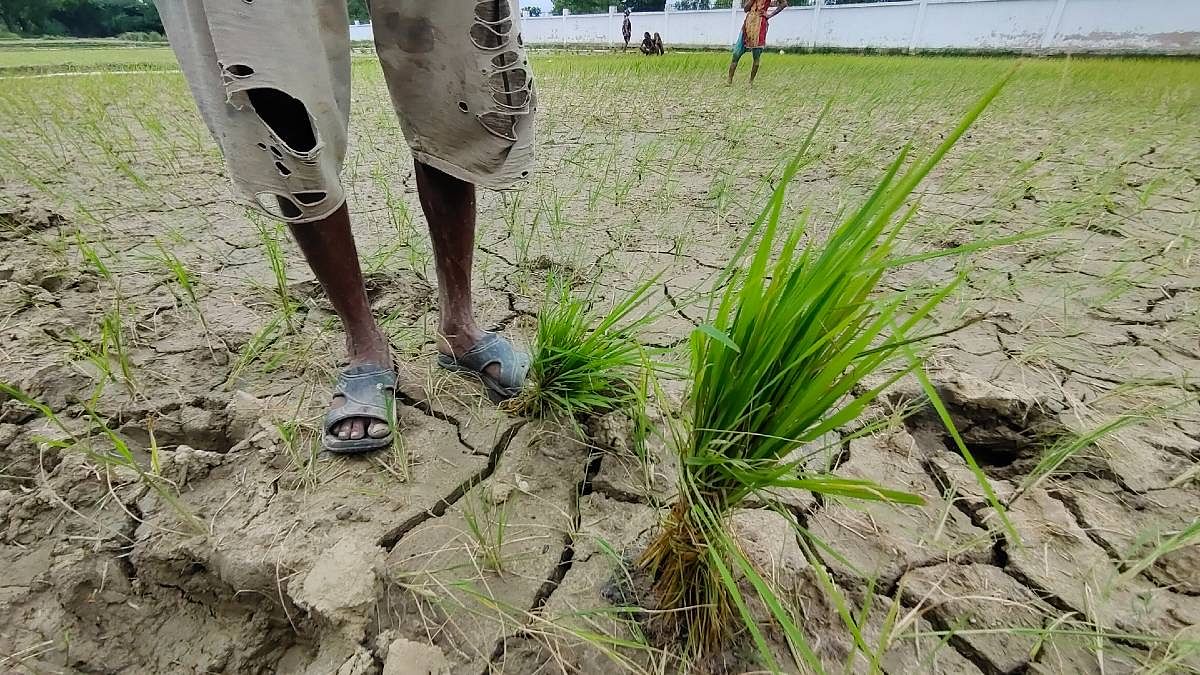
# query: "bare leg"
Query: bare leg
449,206
328,246
754,72
732,71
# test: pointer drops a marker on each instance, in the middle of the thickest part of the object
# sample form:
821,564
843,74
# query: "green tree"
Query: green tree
359,11
601,6
106,18
533,11
30,17
81,18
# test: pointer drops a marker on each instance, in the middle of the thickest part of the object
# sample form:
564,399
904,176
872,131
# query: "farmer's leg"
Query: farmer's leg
449,206
279,111
754,70
328,246
739,50
467,128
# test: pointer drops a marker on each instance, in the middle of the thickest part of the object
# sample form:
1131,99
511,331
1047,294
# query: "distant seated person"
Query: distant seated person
658,45
648,47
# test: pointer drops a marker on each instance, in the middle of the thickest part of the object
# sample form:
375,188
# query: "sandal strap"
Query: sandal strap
361,388
494,350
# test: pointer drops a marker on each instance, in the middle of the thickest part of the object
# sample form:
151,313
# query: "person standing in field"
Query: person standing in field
272,81
627,30
753,37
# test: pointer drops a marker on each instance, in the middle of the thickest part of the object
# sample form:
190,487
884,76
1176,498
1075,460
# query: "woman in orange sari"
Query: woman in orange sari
754,32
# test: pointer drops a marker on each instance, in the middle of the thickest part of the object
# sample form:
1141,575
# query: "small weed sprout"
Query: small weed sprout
120,456
303,448
114,347
487,524
256,347
188,285
269,235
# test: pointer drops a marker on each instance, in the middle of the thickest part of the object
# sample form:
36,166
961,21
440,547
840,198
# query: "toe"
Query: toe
378,429
493,371
357,429
343,430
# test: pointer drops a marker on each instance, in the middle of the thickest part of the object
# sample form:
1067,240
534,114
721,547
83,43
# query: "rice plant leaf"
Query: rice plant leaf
936,401
1185,537
796,335
718,335
1066,448
836,596
972,247
847,487
747,618
768,596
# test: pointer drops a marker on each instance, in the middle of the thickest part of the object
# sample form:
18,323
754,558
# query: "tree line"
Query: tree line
98,18
80,18
601,6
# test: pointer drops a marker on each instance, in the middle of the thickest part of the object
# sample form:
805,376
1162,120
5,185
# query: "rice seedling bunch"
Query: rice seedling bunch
584,363
795,334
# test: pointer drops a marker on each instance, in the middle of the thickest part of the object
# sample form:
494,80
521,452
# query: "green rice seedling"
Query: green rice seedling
556,218
397,461
720,192
487,524
1188,536
794,334
116,454
1064,449
255,347
114,347
584,364
623,186
512,213
92,257
111,347
523,237
269,235
302,445
643,426
82,350
185,280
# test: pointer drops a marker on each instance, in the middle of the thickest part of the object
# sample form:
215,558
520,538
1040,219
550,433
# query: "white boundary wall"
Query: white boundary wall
1041,26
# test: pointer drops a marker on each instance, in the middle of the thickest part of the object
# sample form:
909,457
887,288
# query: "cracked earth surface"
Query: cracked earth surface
301,563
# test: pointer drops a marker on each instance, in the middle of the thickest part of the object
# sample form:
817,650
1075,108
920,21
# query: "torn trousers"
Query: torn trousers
272,81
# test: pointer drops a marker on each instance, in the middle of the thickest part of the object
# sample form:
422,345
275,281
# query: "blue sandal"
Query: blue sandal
492,349
369,392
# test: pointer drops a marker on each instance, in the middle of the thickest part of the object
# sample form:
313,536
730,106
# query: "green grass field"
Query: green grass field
136,297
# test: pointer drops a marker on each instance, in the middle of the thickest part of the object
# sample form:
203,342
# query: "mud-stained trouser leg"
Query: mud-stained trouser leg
461,82
272,81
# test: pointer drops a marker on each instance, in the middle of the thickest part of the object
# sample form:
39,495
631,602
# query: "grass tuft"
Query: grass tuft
586,364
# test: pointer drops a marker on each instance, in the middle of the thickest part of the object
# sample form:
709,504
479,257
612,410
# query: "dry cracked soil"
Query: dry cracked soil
490,543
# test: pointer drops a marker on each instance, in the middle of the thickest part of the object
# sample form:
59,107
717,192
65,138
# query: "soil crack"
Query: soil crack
429,411
392,538
565,561
675,305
